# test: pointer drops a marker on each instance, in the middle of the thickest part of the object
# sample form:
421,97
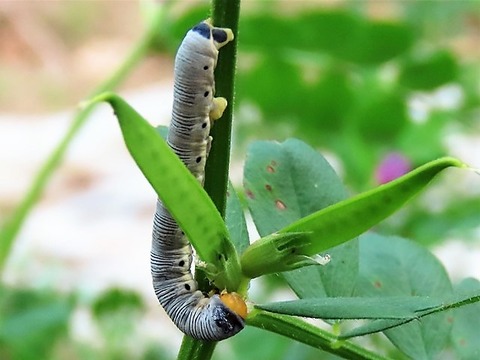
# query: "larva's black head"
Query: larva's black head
220,36
227,321
203,29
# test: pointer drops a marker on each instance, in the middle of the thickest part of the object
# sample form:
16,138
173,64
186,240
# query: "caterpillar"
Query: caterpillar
203,317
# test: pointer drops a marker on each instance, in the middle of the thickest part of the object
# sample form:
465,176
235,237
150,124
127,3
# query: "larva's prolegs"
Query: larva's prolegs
214,317
219,104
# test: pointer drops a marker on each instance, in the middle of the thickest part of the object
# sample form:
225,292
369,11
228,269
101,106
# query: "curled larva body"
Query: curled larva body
194,110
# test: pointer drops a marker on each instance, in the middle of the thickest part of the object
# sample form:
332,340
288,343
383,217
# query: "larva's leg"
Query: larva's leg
218,107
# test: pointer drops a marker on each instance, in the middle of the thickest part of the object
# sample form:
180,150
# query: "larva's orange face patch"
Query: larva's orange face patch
235,303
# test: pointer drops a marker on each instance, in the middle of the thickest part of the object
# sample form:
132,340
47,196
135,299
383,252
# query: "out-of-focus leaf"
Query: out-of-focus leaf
460,218
392,266
31,322
116,300
429,72
338,33
379,41
381,116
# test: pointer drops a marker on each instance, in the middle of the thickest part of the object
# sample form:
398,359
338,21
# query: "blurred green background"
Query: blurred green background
359,80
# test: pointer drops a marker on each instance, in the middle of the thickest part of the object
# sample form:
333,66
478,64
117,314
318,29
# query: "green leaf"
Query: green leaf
181,193
283,183
429,72
466,323
394,307
392,266
235,220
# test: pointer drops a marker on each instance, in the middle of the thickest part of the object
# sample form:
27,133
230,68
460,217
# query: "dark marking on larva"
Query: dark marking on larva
203,29
181,263
204,125
249,194
206,93
205,67
270,169
219,35
280,205
268,187
377,284
187,287
198,159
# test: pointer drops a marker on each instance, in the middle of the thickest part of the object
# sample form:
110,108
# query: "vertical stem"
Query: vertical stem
225,13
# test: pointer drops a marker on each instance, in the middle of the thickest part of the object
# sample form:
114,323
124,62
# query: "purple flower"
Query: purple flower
391,167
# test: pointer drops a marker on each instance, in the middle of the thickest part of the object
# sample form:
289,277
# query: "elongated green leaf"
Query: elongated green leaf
450,302
179,190
345,220
283,183
309,334
342,221
395,307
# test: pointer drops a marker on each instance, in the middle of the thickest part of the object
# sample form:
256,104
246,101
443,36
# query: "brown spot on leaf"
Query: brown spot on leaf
268,187
280,205
249,194
377,284
270,169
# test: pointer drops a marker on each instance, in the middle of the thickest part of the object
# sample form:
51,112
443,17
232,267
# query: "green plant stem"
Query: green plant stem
306,333
14,223
194,349
225,13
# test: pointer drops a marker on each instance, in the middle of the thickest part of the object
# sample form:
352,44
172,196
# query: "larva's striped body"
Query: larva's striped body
194,110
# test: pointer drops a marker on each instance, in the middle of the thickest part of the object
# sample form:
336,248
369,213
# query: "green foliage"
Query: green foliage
32,322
